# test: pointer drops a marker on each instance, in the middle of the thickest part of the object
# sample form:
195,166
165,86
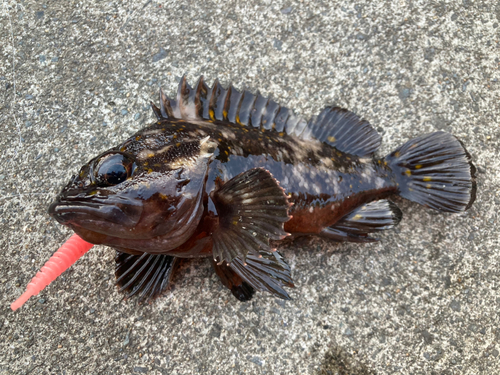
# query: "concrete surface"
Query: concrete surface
77,77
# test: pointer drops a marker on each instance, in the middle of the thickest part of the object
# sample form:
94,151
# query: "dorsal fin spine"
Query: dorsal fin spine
234,105
211,101
227,102
281,118
269,114
245,108
238,110
156,111
258,108
174,106
165,108
200,96
220,95
180,89
183,92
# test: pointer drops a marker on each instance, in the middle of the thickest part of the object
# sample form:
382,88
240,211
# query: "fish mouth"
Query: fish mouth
101,211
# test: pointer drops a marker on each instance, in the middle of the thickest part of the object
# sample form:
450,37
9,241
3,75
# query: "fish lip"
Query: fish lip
76,212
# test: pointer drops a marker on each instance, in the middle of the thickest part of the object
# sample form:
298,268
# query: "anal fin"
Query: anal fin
145,275
231,280
371,217
266,272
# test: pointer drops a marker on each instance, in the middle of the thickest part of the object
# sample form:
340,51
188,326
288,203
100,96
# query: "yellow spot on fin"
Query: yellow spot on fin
418,166
408,172
357,217
331,139
426,179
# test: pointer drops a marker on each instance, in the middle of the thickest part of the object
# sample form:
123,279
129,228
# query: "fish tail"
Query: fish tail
435,170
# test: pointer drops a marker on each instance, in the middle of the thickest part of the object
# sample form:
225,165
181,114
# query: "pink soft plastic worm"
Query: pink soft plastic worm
62,259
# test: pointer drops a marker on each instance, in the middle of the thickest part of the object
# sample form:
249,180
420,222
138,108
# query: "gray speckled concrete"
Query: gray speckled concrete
424,300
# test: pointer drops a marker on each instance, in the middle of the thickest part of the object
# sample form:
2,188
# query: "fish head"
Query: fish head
146,194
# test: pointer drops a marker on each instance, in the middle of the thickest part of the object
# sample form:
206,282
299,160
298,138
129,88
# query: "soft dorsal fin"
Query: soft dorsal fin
344,130
335,126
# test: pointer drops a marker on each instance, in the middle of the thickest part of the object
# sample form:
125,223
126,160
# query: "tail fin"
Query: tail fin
435,170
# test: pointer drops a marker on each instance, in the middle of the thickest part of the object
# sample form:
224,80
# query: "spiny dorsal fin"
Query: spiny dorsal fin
219,104
335,126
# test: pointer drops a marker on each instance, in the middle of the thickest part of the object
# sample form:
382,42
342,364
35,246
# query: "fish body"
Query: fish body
223,174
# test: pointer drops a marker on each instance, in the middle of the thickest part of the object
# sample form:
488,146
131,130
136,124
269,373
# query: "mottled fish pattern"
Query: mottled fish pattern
225,174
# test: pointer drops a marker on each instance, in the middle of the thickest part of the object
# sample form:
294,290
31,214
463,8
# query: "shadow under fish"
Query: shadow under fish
221,173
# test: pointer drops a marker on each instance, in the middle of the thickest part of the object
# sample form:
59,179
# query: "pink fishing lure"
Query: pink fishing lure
68,253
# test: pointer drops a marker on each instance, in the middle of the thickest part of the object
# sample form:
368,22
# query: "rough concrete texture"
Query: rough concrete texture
77,77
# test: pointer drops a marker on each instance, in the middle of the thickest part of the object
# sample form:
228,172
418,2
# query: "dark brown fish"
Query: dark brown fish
222,173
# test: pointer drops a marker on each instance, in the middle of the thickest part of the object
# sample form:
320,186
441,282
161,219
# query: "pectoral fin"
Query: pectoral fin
371,217
252,210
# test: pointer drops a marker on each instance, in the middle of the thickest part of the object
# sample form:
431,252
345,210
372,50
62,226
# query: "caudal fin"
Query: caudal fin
435,170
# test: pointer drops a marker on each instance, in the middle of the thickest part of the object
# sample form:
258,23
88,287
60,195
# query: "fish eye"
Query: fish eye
113,169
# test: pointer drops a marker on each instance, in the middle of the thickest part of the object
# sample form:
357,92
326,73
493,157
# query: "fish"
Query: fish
226,175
